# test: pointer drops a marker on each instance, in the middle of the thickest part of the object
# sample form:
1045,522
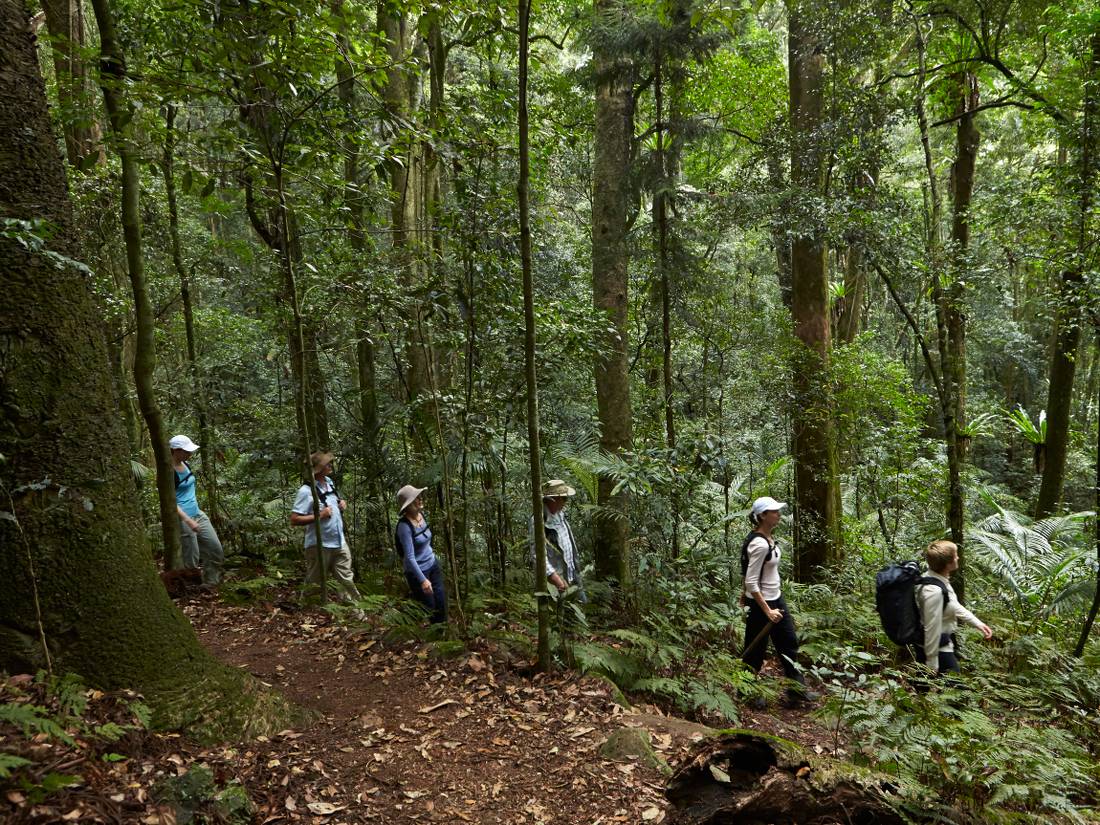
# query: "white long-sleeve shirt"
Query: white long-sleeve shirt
762,576
938,622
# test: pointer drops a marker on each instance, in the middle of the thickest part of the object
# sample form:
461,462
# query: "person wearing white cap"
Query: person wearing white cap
413,541
335,554
199,542
760,569
562,562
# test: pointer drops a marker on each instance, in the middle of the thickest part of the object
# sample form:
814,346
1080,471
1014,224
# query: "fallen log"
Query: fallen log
752,779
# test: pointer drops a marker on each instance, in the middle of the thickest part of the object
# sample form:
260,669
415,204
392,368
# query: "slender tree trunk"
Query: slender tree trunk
1068,317
1090,619
113,78
80,592
206,446
83,132
660,221
962,189
849,309
778,183
947,375
817,487
401,96
614,130
535,453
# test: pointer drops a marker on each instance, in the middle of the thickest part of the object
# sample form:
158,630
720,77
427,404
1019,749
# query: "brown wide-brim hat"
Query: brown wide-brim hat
556,488
406,496
319,460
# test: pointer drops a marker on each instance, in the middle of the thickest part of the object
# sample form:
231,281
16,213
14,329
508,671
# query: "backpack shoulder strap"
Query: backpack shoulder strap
937,583
181,479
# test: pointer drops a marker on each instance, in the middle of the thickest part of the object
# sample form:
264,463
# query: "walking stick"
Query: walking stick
764,631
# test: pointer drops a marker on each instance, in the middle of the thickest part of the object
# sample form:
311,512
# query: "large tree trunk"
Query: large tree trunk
817,487
614,130
80,591
534,453
79,119
119,113
1068,317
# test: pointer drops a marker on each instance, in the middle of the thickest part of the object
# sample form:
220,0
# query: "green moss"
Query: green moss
633,743
447,649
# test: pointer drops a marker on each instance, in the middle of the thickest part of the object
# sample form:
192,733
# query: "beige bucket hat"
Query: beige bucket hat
556,488
406,496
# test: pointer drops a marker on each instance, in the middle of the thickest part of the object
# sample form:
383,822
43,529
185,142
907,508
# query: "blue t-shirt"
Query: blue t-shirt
332,528
415,546
185,492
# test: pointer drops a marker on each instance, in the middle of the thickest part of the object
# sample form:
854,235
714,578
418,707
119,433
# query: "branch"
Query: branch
993,104
912,325
262,229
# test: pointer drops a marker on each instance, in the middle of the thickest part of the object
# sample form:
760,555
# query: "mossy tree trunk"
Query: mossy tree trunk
614,131
534,452
80,590
206,447
119,115
1069,317
817,486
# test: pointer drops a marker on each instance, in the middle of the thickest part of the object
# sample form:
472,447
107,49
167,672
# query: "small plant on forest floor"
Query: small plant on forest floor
970,741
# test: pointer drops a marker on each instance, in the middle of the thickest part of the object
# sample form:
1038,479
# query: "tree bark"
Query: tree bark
817,487
206,447
402,99
83,132
119,113
665,185
614,130
1094,608
80,592
1068,317
967,140
534,452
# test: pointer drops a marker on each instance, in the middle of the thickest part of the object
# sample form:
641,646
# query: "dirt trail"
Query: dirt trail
403,737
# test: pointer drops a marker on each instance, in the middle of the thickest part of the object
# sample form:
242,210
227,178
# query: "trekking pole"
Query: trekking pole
764,631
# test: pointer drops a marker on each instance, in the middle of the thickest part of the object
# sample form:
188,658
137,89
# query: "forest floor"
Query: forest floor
400,735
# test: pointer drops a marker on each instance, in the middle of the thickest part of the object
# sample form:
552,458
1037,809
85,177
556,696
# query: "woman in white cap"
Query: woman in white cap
199,543
767,609
413,539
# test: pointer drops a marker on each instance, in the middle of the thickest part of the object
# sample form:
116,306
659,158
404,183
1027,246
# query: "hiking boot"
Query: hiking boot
796,698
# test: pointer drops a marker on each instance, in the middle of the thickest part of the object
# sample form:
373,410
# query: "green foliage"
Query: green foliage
1034,432
969,743
197,798
10,762
1038,567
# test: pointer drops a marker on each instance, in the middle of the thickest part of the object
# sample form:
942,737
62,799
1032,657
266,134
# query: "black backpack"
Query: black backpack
895,601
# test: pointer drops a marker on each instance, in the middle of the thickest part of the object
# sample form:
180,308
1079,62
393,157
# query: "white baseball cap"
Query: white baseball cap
765,504
182,442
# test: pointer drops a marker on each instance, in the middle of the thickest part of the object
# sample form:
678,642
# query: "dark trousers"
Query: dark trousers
435,602
782,635
949,662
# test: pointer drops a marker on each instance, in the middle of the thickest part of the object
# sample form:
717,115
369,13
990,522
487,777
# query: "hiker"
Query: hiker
562,562
413,539
335,555
199,543
939,615
768,615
